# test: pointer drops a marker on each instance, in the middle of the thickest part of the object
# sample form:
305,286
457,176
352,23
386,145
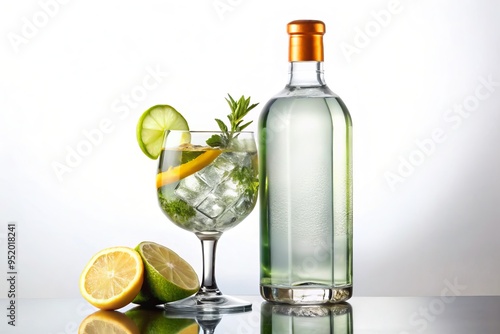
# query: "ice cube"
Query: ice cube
212,206
243,206
225,162
227,191
213,175
228,220
193,190
202,223
239,159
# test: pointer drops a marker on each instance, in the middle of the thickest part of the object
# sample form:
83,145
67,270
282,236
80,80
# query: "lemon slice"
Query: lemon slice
174,174
168,277
153,125
112,278
109,322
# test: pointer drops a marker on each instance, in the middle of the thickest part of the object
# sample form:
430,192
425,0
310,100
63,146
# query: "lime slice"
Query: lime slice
153,125
167,276
153,321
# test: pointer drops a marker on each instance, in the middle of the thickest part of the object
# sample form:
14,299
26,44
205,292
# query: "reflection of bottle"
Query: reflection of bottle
306,182
288,319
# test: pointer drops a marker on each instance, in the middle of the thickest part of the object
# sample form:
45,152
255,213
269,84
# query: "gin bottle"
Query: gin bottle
305,135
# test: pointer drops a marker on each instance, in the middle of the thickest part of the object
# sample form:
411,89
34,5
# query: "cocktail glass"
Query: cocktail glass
207,190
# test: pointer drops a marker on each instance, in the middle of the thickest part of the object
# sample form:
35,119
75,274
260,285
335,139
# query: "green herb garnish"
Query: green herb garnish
179,210
239,110
245,178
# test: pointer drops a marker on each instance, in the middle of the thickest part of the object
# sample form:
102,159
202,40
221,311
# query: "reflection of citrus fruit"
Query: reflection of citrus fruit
167,276
152,126
112,278
153,321
174,174
109,322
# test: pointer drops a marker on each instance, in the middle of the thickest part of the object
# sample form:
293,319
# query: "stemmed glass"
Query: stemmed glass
207,190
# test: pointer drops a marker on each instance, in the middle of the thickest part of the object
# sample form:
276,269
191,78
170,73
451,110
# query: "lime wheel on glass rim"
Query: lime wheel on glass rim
153,125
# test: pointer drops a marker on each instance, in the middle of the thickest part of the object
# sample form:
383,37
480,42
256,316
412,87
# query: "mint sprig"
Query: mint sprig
239,109
177,209
246,178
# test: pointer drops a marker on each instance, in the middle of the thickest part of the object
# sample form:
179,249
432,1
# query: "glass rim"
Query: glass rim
209,131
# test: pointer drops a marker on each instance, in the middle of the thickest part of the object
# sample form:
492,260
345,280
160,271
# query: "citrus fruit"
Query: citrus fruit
109,322
153,125
153,321
167,277
174,174
112,278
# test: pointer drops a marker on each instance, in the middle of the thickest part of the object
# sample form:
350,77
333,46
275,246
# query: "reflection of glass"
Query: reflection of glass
207,321
207,191
288,319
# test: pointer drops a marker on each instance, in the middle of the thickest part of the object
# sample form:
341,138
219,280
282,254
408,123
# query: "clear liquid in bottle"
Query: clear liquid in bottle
306,189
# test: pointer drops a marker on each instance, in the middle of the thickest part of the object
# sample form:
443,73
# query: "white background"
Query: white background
426,214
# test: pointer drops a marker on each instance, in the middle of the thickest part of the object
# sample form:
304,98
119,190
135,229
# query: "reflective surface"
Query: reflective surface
398,315
279,318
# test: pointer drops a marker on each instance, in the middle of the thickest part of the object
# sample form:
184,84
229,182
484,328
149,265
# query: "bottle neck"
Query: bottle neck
306,74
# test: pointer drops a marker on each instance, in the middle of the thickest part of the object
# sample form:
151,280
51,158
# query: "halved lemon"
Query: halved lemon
153,125
112,278
174,174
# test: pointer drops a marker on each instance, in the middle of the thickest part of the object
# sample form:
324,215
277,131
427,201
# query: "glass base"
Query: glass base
301,295
209,304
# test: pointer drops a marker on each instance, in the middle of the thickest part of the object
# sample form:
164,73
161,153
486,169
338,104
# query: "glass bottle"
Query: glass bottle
305,135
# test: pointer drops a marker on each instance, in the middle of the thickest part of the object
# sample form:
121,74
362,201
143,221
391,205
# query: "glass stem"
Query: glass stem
208,247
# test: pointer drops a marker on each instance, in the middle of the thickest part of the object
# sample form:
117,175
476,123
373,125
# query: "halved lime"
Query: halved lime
167,276
153,125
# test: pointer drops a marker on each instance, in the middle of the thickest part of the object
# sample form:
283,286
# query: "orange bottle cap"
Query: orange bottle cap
306,40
